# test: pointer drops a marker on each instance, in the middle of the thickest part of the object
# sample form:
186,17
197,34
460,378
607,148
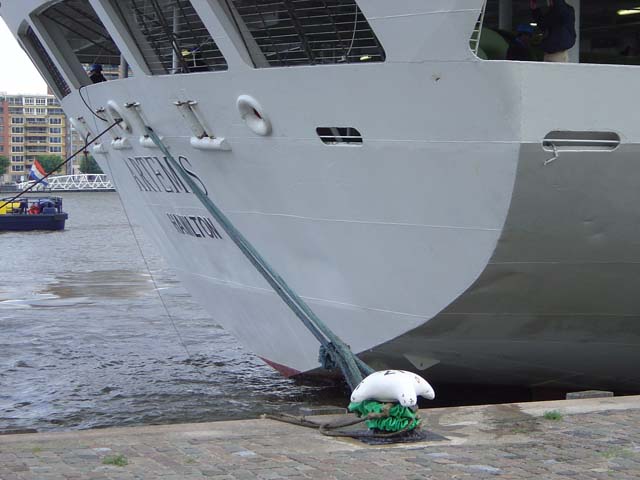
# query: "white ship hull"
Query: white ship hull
442,242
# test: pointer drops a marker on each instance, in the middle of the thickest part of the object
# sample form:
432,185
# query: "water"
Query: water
85,341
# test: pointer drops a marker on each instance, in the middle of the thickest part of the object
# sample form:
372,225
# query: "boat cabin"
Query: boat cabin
32,213
31,206
68,38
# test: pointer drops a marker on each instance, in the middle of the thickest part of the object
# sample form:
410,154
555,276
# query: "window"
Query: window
55,130
607,31
16,110
37,149
29,111
17,168
53,102
17,158
41,101
45,64
17,129
56,111
78,24
55,140
16,120
29,101
41,111
281,33
1,148
17,149
15,100
170,35
55,121
17,139
54,149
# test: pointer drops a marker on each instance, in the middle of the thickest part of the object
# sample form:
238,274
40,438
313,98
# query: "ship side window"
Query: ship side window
44,63
170,35
75,27
607,32
281,33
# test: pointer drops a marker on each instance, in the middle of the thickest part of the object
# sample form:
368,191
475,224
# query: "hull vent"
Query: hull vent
343,136
580,141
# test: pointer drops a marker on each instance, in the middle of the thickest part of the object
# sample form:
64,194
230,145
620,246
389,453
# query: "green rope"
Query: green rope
398,418
333,349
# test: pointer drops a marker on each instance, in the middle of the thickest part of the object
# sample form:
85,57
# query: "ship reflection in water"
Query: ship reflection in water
85,341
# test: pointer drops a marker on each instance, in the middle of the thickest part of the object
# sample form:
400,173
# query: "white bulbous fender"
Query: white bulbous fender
393,386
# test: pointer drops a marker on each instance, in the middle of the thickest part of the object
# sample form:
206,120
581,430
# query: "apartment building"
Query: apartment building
30,126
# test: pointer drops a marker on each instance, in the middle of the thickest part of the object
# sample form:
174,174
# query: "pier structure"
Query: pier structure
73,183
587,438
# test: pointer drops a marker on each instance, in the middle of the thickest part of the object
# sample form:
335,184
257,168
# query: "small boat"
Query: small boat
32,213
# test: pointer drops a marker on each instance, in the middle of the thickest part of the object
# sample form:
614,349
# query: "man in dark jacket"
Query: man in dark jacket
95,73
520,46
557,20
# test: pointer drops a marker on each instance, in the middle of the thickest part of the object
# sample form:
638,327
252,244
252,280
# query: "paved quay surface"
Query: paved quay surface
596,438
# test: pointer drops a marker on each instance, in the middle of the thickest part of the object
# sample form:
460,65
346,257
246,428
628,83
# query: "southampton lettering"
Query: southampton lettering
194,226
156,174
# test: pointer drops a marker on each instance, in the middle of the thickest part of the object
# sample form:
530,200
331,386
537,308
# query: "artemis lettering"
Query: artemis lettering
155,174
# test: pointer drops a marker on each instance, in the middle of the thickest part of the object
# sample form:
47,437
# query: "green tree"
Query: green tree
49,162
89,165
4,165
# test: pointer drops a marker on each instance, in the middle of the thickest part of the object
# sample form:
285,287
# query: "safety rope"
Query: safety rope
333,351
58,167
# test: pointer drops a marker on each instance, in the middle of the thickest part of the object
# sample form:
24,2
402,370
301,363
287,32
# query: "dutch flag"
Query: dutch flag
37,173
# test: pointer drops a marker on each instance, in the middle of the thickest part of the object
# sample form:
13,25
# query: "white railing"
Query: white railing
75,183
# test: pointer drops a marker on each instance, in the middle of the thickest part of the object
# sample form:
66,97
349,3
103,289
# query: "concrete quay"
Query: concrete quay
571,439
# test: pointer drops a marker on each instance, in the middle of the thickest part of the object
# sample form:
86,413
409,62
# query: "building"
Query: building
30,126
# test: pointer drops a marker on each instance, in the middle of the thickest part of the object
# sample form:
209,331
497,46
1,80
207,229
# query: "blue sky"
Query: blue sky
18,74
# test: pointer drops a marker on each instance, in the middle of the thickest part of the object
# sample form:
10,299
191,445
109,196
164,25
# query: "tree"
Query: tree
4,165
49,162
89,165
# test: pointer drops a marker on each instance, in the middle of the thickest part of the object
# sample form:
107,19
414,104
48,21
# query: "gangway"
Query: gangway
85,182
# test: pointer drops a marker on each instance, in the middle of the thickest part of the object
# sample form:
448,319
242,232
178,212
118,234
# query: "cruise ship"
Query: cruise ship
442,209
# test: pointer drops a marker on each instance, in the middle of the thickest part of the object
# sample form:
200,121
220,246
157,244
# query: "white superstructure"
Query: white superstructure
477,218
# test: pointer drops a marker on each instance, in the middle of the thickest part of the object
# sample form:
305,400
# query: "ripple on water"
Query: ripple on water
86,342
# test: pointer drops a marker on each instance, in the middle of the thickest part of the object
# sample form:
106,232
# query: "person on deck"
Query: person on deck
520,46
95,73
557,20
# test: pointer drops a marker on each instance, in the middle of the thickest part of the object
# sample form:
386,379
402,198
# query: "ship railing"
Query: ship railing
75,183
474,42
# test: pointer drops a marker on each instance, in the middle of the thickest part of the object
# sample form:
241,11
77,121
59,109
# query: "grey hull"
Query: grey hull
558,304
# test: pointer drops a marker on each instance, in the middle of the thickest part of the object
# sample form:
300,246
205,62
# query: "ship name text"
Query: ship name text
156,174
194,226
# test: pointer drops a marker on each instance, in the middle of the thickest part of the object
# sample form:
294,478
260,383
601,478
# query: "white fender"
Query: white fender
253,115
393,386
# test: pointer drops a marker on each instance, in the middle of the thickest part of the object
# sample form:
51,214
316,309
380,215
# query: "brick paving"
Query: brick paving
594,439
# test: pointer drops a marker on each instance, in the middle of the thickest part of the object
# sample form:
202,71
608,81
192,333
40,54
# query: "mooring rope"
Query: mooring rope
333,352
332,429
58,167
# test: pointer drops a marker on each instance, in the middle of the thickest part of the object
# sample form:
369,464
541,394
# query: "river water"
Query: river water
85,341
